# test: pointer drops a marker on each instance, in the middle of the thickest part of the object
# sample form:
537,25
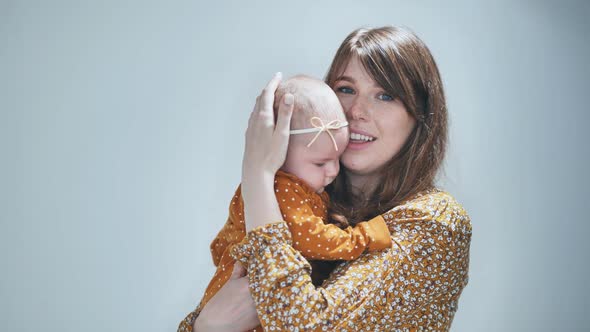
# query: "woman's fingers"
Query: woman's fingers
284,116
231,308
280,137
262,115
254,111
267,96
266,144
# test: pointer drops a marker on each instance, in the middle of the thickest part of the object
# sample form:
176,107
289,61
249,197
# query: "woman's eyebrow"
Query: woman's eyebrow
346,78
353,81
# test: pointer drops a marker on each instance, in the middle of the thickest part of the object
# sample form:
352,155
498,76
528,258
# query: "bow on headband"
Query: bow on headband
319,126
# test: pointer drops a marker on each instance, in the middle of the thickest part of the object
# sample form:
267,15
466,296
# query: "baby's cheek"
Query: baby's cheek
320,180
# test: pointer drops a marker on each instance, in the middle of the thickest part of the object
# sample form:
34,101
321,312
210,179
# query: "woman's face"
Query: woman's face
379,125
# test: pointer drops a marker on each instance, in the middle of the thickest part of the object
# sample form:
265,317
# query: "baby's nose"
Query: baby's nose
329,180
332,170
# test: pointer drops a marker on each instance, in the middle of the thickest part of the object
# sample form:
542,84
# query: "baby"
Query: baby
319,136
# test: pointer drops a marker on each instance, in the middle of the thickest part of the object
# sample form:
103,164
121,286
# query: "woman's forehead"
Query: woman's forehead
355,70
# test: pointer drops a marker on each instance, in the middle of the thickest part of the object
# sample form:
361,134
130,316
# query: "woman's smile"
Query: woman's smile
360,139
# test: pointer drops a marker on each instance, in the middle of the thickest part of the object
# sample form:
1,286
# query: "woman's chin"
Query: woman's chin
356,164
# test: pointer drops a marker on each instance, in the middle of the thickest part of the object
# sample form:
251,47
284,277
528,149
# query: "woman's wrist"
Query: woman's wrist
260,203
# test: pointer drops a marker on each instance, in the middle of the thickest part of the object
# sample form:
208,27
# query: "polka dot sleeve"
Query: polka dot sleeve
233,231
414,284
305,215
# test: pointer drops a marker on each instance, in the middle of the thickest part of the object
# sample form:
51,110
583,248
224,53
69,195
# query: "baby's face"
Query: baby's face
318,164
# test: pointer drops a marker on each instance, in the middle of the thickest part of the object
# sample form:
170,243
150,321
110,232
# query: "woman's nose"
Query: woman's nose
357,110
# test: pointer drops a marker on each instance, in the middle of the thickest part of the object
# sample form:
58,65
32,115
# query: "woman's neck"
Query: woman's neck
362,184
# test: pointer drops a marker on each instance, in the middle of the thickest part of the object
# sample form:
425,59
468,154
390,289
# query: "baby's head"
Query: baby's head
316,162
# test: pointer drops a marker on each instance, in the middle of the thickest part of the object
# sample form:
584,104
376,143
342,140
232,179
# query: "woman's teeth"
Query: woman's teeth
359,137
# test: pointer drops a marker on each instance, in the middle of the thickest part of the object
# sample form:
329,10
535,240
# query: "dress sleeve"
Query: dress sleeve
378,291
318,240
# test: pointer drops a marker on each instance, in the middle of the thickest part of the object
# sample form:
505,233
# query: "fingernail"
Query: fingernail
289,99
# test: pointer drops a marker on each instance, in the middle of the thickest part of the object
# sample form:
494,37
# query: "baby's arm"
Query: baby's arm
232,232
318,240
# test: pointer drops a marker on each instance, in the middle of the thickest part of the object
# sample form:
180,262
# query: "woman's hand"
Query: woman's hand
264,154
266,144
231,309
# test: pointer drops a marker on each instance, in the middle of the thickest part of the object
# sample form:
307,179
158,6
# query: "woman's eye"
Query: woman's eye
320,164
345,89
385,97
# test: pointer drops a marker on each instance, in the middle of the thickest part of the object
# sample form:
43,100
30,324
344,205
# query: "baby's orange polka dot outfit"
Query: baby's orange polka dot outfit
412,286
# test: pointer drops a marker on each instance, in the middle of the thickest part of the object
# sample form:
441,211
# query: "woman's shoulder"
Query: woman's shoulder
434,205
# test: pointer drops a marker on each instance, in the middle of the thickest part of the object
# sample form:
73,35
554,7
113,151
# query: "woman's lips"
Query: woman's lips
358,145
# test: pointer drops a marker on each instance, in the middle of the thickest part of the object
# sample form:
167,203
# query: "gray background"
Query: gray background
121,137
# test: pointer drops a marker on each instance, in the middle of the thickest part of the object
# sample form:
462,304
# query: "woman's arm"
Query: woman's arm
232,309
264,154
415,283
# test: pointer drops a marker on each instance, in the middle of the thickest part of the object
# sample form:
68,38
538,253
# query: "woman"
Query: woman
391,91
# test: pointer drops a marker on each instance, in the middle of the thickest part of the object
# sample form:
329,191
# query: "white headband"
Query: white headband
319,127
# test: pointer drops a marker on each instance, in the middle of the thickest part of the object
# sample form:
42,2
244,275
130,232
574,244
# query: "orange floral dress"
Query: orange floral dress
412,286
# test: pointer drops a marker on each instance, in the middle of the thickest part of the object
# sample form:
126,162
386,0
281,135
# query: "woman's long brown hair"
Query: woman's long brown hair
403,66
